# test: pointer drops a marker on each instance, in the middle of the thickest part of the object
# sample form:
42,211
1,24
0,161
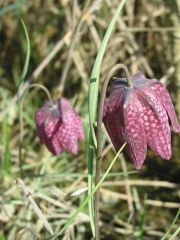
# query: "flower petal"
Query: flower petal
113,119
78,126
42,114
165,99
155,123
134,132
67,133
51,125
54,145
68,140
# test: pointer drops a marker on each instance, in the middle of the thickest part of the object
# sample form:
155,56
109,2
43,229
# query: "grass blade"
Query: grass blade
14,6
85,202
6,149
28,52
21,81
170,228
94,80
8,8
92,101
175,234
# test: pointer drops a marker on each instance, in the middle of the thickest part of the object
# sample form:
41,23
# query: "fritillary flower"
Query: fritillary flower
59,127
141,115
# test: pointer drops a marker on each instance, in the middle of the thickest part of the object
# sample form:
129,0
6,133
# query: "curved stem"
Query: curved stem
41,87
99,138
21,119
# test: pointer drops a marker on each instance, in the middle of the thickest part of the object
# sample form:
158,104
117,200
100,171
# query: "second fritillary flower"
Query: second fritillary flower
59,127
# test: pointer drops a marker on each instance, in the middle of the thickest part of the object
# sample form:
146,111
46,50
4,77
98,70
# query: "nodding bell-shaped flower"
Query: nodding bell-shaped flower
59,127
141,115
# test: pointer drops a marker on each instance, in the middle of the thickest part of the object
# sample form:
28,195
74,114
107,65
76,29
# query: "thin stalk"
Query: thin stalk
41,87
99,138
21,120
21,82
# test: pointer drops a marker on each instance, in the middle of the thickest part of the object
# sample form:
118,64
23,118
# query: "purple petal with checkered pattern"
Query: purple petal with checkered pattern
59,127
139,115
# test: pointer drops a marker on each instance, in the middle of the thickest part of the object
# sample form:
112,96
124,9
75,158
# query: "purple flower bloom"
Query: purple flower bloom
59,127
139,115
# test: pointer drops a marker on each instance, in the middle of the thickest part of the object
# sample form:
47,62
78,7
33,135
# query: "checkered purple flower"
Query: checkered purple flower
59,127
140,115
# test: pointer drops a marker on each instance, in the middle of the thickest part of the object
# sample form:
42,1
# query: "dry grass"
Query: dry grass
65,37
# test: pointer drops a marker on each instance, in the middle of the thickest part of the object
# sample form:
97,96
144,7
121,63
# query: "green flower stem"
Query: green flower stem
99,139
21,102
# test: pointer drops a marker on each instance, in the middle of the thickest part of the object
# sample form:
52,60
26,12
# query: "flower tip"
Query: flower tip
176,129
138,166
168,157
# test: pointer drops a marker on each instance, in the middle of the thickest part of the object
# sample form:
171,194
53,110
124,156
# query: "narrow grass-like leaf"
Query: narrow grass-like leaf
8,8
141,223
170,228
6,149
21,81
2,237
28,52
175,234
93,100
94,80
11,7
85,202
